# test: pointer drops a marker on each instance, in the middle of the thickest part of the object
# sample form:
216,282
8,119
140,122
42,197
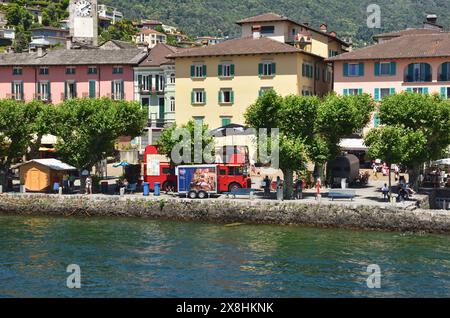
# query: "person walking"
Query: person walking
266,186
298,189
375,170
89,185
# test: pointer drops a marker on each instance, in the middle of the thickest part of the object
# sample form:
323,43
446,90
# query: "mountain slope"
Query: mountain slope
347,17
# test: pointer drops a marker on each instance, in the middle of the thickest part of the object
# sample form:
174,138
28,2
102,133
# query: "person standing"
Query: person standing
89,185
279,189
266,186
385,191
318,188
298,189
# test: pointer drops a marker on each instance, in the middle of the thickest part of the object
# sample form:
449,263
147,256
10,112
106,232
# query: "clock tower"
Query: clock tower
84,21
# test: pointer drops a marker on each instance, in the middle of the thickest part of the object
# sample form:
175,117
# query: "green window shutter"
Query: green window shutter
443,76
49,90
274,68
444,92
392,91
360,91
22,92
260,92
428,75
260,69
226,122
345,91
376,120
303,69
92,89
204,71
393,68
409,90
122,88
219,70
346,69
204,97
232,97
425,90
113,89
377,69
411,71
377,94
193,97
150,82
220,97
157,82
38,84
12,90
65,89
140,82
192,70
232,69
361,69
75,89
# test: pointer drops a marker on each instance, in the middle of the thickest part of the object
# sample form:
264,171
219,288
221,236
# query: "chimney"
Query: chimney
69,43
324,28
256,31
350,44
40,51
431,18
333,33
431,23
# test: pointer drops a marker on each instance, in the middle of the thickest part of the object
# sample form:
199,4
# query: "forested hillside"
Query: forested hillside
347,17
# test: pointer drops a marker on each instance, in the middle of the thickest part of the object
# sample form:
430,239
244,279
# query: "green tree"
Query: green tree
187,137
22,40
123,30
88,129
17,129
396,144
425,114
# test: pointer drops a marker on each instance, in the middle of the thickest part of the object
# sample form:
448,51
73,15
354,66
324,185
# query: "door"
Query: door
162,109
145,102
223,179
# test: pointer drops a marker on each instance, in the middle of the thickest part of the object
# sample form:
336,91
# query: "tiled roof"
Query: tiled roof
240,46
266,17
158,55
120,44
150,31
408,46
412,31
74,57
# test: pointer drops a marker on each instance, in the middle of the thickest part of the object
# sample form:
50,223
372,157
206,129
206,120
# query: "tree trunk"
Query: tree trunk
34,148
319,172
82,182
288,184
390,182
413,174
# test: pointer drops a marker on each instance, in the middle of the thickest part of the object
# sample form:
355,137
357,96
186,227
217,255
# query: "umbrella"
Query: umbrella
122,164
443,162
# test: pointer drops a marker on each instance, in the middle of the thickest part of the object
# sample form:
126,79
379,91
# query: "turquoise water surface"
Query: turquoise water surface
143,258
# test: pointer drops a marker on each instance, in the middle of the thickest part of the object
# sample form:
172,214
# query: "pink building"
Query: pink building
57,75
416,63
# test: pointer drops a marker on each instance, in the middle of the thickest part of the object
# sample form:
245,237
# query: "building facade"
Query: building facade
149,38
154,86
216,84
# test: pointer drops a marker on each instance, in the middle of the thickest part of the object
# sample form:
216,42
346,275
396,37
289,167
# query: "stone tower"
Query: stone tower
84,21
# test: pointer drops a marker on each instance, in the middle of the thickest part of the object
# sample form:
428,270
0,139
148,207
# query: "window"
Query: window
354,69
267,69
226,70
117,70
385,69
307,70
198,71
418,72
417,90
17,71
376,120
92,70
198,97
307,92
226,96
172,104
161,83
17,90
445,92
353,91
145,83
70,71
117,90
70,90
263,90
43,71
225,121
172,79
444,72
199,120
43,91
332,53
381,93
268,29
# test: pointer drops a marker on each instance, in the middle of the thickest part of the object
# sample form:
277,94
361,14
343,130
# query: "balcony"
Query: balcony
418,79
152,91
46,98
159,123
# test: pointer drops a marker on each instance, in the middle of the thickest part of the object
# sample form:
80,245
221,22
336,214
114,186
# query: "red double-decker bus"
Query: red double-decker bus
230,176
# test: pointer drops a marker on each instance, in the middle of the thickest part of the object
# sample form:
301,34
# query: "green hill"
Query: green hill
347,17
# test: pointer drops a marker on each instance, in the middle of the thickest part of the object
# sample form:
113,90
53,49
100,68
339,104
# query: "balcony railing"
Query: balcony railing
160,123
418,79
46,98
153,90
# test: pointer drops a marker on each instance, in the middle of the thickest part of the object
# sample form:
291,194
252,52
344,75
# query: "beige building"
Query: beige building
216,84
150,38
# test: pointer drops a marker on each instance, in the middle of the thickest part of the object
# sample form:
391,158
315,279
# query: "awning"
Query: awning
443,162
353,144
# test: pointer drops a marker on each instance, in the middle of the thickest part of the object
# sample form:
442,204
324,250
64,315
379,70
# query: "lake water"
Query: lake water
143,258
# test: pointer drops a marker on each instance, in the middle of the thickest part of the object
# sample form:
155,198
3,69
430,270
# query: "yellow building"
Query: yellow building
216,84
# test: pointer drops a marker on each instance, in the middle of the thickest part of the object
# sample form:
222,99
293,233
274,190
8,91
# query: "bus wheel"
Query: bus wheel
234,186
192,194
202,195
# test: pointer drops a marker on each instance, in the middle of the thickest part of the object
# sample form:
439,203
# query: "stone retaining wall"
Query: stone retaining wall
351,216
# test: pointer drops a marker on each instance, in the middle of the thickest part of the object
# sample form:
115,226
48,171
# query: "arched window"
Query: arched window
172,104
444,72
418,72
172,78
